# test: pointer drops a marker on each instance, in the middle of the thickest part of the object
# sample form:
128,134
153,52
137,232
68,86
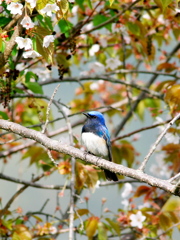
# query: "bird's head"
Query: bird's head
95,116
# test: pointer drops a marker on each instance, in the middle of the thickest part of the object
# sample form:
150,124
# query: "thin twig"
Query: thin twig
163,233
122,181
126,71
72,180
47,121
175,178
52,159
16,149
11,200
108,79
139,130
31,184
143,165
114,18
41,96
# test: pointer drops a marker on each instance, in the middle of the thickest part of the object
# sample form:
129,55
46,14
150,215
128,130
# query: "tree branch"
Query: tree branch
8,204
105,78
31,184
139,130
76,153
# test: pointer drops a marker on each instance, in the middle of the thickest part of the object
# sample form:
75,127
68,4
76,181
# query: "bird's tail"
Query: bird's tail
110,175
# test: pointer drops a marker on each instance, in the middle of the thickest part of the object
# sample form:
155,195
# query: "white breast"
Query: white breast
95,144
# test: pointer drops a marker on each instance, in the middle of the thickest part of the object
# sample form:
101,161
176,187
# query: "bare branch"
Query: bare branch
41,96
139,130
31,184
49,107
16,149
105,78
143,165
8,204
175,178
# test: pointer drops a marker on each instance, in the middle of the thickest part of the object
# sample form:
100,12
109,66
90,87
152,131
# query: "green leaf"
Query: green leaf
1,43
114,225
40,4
17,90
102,231
65,26
163,4
40,33
80,3
7,224
45,22
4,115
111,2
140,110
89,3
30,75
64,6
4,21
134,28
34,87
21,232
98,19
45,52
37,218
172,204
81,212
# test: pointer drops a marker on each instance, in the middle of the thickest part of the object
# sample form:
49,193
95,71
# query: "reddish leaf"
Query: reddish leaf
168,67
141,191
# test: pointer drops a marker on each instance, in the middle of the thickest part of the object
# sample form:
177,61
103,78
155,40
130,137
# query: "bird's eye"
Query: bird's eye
94,116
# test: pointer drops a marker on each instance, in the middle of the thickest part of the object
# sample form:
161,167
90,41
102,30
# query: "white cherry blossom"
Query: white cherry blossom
97,67
103,42
31,54
125,203
32,3
27,22
42,73
137,219
127,190
47,40
15,8
52,230
49,8
113,63
87,27
95,48
25,43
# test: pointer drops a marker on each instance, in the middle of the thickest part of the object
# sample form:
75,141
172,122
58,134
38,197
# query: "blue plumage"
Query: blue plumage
96,138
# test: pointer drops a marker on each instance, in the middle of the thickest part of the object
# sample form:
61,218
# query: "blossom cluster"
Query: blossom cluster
27,23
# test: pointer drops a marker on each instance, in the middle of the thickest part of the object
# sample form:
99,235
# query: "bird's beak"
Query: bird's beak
86,114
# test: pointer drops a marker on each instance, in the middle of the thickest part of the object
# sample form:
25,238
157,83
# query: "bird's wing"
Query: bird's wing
106,136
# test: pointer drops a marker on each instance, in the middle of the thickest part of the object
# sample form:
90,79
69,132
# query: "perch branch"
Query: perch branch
77,153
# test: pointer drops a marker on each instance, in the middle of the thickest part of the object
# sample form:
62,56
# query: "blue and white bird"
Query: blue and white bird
96,139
